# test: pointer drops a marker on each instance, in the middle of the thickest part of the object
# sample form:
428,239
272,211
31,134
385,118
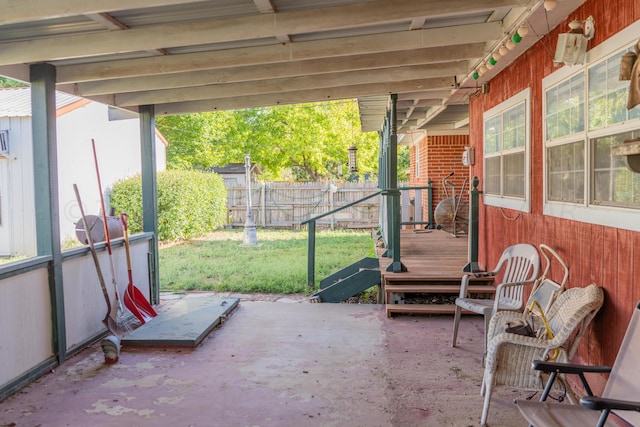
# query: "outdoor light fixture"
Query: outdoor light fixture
523,30
572,46
511,39
549,5
353,159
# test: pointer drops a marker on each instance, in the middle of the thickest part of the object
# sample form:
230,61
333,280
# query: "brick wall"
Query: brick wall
439,156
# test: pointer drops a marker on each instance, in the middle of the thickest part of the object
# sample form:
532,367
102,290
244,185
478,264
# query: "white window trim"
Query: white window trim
519,204
618,217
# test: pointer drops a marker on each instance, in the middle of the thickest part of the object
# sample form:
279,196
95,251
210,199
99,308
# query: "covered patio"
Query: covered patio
413,66
309,365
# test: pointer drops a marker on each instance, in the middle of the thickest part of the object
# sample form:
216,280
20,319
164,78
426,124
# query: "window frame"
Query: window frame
510,202
588,211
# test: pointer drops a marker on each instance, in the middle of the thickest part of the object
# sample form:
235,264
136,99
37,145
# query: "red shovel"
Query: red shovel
134,299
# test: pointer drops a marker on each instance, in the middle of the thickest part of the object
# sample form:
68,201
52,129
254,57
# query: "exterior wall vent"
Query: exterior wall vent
4,143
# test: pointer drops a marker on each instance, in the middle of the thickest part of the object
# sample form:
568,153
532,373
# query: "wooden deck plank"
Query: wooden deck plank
419,309
435,261
444,289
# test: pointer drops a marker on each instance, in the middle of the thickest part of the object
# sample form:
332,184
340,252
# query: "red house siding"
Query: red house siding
439,156
598,254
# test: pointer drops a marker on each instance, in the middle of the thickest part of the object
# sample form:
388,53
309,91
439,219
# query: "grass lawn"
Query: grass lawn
218,262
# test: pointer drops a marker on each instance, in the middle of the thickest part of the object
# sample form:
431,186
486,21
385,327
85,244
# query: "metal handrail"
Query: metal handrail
339,208
311,251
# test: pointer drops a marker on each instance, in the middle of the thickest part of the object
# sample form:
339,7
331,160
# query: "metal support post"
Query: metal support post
474,225
392,191
311,257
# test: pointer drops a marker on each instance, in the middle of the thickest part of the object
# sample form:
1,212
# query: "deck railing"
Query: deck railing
311,222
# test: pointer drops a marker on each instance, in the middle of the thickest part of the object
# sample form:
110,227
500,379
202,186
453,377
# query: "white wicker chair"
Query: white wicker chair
510,356
520,265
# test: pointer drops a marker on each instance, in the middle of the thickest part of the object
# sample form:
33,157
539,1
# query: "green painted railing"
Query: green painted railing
311,222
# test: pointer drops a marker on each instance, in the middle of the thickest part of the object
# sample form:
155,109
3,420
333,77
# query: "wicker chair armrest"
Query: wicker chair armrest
499,320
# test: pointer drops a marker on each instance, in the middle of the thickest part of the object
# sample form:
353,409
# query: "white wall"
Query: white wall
119,157
17,231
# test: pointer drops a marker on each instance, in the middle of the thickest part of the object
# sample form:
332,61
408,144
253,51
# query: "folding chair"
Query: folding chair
621,387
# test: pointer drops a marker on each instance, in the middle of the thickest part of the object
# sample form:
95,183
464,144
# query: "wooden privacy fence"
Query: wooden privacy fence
287,204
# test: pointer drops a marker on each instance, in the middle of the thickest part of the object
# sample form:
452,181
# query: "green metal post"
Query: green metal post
311,251
47,204
430,204
150,194
393,193
474,225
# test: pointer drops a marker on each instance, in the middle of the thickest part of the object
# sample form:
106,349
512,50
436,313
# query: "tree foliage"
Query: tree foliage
7,82
300,142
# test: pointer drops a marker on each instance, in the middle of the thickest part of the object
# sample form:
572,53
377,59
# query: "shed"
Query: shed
78,121
234,173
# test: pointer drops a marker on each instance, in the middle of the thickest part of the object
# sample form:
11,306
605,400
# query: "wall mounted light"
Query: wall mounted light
572,46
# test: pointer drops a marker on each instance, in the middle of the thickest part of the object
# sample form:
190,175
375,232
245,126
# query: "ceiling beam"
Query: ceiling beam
294,97
111,23
282,70
234,29
17,11
441,39
264,6
299,83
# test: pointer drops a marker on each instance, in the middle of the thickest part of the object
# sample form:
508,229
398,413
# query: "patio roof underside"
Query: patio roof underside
187,56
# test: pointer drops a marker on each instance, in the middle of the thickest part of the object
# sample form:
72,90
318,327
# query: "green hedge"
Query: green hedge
190,203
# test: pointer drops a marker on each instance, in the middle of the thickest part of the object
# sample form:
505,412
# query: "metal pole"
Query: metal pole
474,226
311,250
250,237
430,204
393,193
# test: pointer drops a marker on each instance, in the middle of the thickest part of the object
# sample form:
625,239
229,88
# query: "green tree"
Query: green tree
6,82
302,142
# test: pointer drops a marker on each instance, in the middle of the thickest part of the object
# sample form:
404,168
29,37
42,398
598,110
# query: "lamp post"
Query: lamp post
250,237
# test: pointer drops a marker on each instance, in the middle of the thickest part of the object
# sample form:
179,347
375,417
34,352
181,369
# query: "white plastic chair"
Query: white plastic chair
520,264
510,357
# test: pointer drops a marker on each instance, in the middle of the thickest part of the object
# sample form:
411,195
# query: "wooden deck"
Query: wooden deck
434,260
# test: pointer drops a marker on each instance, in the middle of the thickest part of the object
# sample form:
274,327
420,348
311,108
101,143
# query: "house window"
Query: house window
585,116
417,161
506,153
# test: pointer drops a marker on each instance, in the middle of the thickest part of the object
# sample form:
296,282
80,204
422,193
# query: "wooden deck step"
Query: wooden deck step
419,309
439,289
429,288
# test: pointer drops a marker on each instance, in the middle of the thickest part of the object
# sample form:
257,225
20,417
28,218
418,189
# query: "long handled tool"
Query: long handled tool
108,321
114,276
134,299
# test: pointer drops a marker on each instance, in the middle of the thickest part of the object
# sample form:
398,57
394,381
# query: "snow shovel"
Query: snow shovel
114,276
108,321
134,299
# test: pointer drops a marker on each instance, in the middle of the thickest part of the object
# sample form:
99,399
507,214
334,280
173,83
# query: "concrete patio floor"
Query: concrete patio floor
280,364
